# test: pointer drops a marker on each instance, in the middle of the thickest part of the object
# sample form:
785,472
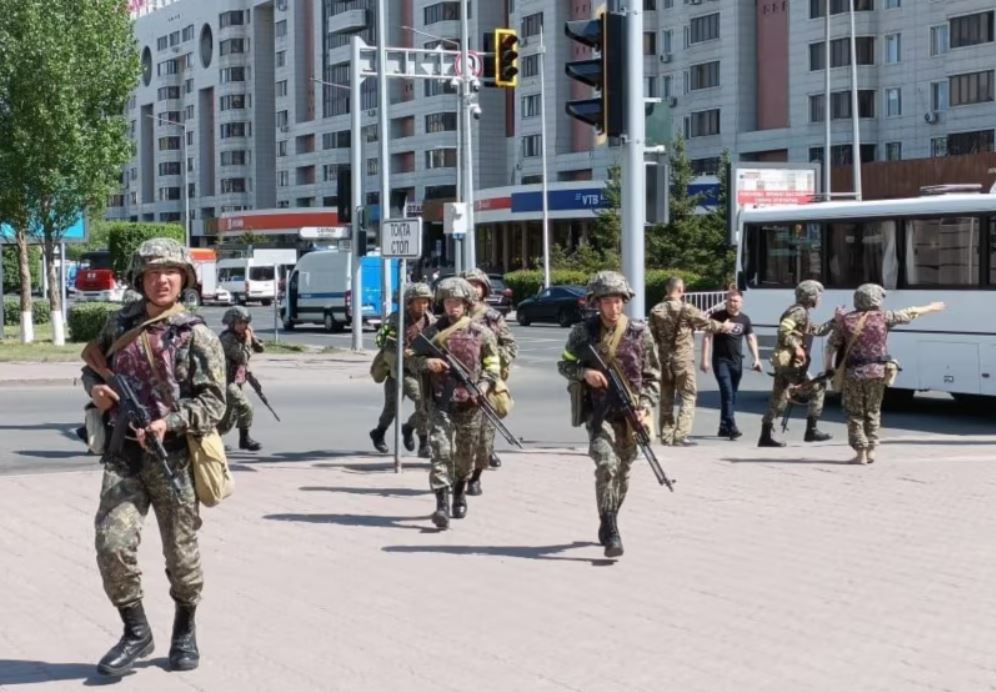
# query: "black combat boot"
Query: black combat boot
408,437
813,434
423,447
135,643
602,529
377,436
246,442
494,461
459,500
183,653
766,439
735,433
441,517
613,542
474,487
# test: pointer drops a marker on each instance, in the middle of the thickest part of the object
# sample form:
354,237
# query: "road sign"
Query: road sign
401,238
324,232
455,218
76,233
475,64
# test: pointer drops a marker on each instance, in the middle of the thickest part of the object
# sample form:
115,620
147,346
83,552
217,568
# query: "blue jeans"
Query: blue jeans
728,374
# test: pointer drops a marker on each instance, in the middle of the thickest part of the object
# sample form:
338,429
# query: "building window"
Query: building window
229,130
650,43
190,138
174,38
188,32
232,74
893,102
706,166
702,123
938,146
169,168
892,4
336,140
843,154
232,45
170,143
372,167
893,48
943,251
283,178
531,146
232,18
169,194
840,105
666,86
280,29
440,158
666,37
281,58
281,120
650,87
236,157
971,29
440,191
441,12
167,67
893,151
649,5
440,122
282,148
703,28
939,40
974,87
169,92
818,7
704,76
970,142
530,106
232,102
939,96
188,113
162,43
531,24
530,65
281,88
188,86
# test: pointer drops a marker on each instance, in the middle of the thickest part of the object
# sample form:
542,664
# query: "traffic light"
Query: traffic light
606,34
506,58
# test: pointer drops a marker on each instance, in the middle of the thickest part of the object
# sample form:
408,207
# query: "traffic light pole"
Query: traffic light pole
385,156
634,173
470,241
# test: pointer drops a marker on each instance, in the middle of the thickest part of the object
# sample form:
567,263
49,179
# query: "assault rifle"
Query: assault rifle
801,393
132,414
258,388
620,399
463,377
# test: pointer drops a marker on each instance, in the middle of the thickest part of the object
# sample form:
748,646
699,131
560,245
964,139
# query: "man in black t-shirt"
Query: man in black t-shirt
725,354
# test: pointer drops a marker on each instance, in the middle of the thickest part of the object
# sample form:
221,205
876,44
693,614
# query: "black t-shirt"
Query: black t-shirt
729,346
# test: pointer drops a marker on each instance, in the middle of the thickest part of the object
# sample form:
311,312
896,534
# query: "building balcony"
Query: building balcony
349,22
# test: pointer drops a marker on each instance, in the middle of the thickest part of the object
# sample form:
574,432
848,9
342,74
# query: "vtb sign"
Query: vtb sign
401,238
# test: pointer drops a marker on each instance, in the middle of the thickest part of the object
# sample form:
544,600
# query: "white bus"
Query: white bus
921,249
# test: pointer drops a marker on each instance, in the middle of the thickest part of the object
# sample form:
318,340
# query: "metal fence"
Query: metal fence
707,301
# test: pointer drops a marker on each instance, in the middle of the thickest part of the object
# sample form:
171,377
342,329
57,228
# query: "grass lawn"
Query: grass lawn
42,350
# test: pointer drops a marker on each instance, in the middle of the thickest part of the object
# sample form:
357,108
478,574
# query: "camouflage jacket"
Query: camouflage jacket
508,349
673,324
237,355
794,331
868,355
189,361
485,368
636,352
387,335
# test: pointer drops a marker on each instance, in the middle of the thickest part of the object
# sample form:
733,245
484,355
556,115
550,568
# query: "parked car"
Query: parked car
563,305
501,295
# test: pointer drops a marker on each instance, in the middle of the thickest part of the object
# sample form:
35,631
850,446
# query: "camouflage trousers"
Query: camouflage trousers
125,497
784,378
613,449
238,410
485,445
677,382
862,402
411,390
453,440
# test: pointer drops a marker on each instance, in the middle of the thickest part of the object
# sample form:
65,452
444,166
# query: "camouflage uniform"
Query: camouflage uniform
866,376
238,352
673,324
189,362
795,330
612,444
454,417
508,349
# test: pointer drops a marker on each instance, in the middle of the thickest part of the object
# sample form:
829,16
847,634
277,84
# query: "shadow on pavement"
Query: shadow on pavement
379,466
529,552
295,457
45,426
36,672
383,492
835,462
51,453
352,520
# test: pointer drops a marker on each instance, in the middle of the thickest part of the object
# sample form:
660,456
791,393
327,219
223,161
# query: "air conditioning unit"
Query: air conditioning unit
667,57
931,117
672,101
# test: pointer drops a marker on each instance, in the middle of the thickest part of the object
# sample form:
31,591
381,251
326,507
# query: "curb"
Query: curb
40,382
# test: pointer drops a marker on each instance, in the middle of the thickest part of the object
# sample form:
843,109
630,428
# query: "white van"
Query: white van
253,278
319,292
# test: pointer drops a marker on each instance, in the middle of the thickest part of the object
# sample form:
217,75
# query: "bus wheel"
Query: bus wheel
191,298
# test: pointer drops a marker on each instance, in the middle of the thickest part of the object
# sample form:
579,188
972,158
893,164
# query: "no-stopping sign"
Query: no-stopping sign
475,64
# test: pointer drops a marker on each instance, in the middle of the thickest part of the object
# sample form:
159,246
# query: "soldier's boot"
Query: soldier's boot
459,500
860,457
494,461
377,437
246,442
183,653
871,454
602,529
408,437
767,440
813,433
135,643
474,487
423,447
441,517
613,541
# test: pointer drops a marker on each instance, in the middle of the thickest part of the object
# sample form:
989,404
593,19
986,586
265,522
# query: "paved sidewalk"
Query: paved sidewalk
761,572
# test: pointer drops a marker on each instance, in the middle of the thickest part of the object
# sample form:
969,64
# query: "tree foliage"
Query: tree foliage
123,238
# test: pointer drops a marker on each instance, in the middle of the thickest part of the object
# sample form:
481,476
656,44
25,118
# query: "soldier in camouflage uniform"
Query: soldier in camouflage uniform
860,338
627,346
673,323
454,415
508,349
790,360
418,298
240,343
176,367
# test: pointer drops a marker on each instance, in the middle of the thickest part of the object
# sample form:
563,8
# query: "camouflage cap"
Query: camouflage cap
236,314
455,287
609,283
478,276
869,297
416,291
808,291
160,252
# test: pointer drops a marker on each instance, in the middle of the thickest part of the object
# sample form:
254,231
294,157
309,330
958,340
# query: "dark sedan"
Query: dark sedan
564,305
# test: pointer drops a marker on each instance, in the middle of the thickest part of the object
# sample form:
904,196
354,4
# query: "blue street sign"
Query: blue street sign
77,233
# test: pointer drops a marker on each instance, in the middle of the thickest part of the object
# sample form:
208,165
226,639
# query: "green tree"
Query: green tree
124,237
68,68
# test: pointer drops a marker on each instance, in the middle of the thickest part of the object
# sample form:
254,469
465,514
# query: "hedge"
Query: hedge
11,271
41,311
527,283
124,238
87,319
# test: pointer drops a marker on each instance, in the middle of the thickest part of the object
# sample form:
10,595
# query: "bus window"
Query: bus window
862,253
787,253
992,251
943,252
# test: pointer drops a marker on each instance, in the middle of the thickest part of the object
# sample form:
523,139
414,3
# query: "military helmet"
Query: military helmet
160,252
455,287
808,291
480,277
416,291
609,283
236,314
869,297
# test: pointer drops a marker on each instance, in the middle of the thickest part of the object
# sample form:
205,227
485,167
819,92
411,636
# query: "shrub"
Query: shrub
87,319
40,309
124,238
656,283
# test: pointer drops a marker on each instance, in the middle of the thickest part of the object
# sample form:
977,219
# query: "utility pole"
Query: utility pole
634,173
470,241
855,129
826,101
543,189
385,160
356,192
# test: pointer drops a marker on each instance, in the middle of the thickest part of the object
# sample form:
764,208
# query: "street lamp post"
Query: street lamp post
183,169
